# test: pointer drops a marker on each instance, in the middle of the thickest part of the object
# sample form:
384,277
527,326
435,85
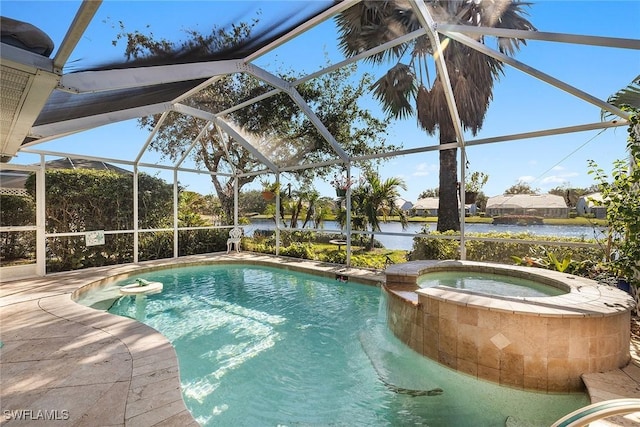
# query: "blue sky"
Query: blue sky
521,103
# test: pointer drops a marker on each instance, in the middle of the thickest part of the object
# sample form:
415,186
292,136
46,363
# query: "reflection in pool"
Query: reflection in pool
487,283
265,346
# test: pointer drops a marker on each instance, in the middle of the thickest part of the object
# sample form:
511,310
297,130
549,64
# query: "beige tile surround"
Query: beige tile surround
542,344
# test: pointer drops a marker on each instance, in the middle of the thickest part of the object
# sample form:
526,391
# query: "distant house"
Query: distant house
426,207
591,204
545,205
429,207
403,205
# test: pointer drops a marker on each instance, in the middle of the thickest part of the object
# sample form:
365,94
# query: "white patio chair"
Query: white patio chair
235,234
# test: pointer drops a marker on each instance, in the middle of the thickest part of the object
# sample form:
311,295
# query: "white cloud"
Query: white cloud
424,169
527,178
558,179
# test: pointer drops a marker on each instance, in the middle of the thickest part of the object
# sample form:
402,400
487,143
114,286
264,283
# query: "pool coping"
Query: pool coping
71,357
87,367
583,298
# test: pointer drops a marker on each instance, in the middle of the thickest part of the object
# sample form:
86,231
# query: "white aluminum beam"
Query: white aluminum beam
246,144
119,161
193,144
300,102
85,14
616,42
66,127
151,135
335,66
548,132
538,74
184,109
41,219
502,138
429,25
221,135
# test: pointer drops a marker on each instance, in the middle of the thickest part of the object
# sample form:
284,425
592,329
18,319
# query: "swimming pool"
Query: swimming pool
264,346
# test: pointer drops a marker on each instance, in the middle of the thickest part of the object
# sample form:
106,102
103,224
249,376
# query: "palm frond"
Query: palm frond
369,24
628,96
426,120
395,90
513,18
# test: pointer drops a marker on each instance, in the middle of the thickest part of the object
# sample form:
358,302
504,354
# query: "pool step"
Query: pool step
104,304
616,384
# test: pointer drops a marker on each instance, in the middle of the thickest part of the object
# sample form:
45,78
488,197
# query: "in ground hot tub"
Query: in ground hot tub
541,342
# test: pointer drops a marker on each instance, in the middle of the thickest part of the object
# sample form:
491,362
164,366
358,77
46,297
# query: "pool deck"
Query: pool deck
76,366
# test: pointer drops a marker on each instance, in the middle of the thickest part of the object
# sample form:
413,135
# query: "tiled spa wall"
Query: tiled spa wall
524,351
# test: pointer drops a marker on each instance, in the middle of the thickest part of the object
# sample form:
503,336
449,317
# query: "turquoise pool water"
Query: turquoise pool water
487,283
260,346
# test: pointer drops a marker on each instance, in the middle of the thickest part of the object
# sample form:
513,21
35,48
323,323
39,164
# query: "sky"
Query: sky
520,103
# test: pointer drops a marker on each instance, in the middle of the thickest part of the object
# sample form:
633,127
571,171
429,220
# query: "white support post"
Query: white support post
277,214
463,202
235,201
175,213
136,232
347,206
41,238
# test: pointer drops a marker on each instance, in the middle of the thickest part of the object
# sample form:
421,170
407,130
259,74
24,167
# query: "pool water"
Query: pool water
487,283
260,346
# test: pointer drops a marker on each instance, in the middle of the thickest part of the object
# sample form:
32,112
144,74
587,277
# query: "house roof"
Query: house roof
526,201
402,203
592,200
17,178
428,203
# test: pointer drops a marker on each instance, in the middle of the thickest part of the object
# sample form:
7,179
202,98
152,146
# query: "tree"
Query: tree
278,127
374,201
302,204
429,192
369,24
628,97
81,200
572,195
191,207
621,196
521,187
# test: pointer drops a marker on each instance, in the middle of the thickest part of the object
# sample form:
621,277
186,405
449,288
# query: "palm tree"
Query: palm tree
374,201
369,24
626,97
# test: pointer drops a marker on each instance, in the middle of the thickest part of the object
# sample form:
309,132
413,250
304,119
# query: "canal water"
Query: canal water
406,242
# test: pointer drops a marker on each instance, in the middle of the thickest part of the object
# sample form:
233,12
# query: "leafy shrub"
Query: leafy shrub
503,251
17,246
336,257
192,242
434,248
298,250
